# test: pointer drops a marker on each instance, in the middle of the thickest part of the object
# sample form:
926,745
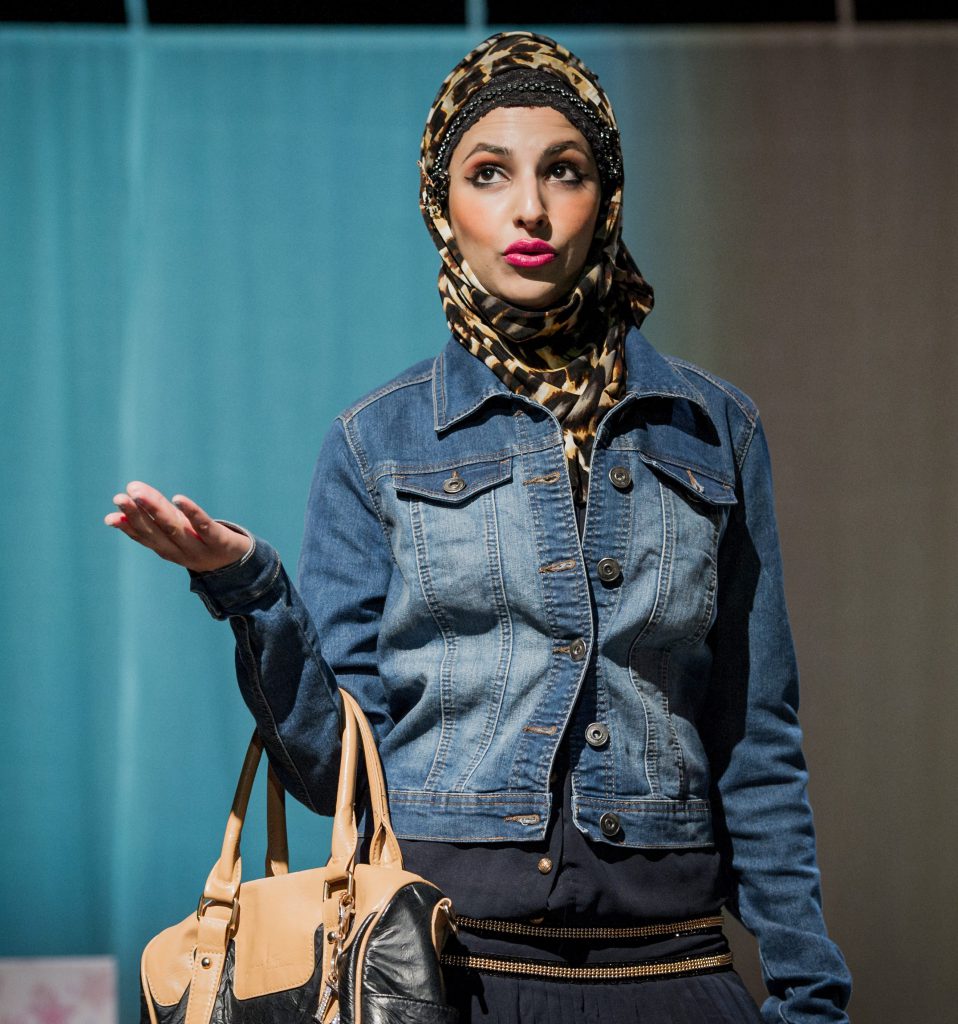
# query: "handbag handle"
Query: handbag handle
384,849
277,843
223,883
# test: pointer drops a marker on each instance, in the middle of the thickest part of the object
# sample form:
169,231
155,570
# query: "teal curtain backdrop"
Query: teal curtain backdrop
210,244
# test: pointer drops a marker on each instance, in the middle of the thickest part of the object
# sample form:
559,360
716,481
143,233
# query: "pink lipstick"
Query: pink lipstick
529,252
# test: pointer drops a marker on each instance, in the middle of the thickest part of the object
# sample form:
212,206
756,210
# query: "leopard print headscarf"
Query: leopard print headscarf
535,351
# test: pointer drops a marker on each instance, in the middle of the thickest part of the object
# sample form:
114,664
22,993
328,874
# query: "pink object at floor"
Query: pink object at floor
58,990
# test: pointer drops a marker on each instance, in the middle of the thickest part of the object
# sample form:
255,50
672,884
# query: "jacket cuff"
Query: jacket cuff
232,589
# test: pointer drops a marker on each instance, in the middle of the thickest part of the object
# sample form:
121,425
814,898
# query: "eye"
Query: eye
485,174
566,172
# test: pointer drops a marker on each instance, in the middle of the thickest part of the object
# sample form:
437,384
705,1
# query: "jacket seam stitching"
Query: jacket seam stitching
392,468
749,413
358,454
686,463
438,375
506,639
745,446
640,805
450,643
477,405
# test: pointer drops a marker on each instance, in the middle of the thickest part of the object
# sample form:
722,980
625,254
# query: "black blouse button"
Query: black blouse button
609,569
454,484
577,649
597,735
610,824
545,866
620,477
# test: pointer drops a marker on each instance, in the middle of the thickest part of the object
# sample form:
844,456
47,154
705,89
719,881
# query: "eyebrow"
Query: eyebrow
559,147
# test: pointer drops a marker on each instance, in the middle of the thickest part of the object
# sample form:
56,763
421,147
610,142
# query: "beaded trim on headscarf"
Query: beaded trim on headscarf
569,358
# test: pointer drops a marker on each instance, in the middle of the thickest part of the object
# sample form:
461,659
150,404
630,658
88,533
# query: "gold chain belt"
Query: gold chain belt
601,972
529,930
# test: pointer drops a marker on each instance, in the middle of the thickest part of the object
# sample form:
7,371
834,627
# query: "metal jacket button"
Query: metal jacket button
577,649
597,735
620,477
454,484
609,570
610,824
545,866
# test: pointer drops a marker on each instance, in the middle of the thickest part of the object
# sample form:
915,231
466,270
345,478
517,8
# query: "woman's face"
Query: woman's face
524,194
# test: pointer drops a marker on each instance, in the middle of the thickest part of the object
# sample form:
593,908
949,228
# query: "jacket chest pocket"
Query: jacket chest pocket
457,518
692,509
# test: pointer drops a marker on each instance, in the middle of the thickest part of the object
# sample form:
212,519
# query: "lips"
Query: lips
529,252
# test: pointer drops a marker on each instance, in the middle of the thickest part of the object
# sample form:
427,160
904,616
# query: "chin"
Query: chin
533,298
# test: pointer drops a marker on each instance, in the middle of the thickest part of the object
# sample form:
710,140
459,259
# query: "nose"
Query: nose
530,209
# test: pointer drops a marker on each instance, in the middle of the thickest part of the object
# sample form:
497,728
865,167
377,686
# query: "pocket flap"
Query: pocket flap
697,484
454,485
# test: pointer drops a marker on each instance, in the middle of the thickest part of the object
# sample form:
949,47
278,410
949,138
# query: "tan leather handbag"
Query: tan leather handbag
347,943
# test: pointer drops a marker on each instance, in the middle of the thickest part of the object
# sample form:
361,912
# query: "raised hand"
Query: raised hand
177,530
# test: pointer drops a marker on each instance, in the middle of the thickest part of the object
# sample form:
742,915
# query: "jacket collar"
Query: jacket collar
462,383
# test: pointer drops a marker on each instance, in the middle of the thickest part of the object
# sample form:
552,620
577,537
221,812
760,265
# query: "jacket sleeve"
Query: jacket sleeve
294,647
763,818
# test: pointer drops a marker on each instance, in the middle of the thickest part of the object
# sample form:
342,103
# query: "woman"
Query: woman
546,564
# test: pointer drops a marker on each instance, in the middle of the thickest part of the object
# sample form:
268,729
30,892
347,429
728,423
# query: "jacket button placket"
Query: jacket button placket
566,588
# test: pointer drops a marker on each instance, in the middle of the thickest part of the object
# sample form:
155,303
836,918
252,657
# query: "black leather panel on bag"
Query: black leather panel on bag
400,960
144,1010
290,1004
349,972
400,970
400,1010
177,1014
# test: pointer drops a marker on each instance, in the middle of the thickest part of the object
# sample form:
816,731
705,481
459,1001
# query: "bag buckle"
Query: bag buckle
347,910
205,902
452,920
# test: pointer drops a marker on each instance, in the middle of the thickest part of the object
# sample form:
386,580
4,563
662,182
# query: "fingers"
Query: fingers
147,517
200,523
222,544
165,516
178,530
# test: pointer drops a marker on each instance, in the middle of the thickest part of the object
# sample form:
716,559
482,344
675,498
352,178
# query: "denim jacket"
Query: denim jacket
443,582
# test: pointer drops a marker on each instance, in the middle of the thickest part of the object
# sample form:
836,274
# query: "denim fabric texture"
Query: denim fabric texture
442,582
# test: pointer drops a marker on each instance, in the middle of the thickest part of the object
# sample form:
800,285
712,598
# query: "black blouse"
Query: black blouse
568,879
